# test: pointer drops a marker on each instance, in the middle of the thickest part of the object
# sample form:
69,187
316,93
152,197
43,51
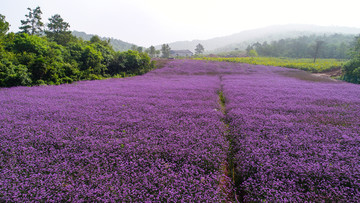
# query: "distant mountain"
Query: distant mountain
117,44
271,33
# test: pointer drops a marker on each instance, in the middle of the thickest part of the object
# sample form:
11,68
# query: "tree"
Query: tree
32,25
133,47
139,49
38,69
91,60
4,26
152,51
57,24
199,49
95,39
24,43
165,50
58,30
317,48
248,48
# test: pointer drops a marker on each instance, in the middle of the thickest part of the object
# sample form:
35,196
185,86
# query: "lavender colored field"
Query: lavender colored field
294,140
160,137
148,138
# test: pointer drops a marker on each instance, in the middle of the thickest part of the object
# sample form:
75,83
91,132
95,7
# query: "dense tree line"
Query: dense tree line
331,46
53,55
351,70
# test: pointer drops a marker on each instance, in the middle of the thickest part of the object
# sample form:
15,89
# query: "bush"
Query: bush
66,80
29,43
40,82
93,77
253,53
11,75
352,71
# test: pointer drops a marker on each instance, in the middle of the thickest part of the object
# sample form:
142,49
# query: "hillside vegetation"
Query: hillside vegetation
54,56
336,46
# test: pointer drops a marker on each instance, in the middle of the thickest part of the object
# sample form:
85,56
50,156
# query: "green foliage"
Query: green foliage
139,49
60,57
321,65
130,62
91,59
199,49
57,24
12,75
152,51
222,98
330,46
4,26
253,53
38,68
58,30
117,65
95,39
57,58
106,51
133,60
165,50
29,43
351,69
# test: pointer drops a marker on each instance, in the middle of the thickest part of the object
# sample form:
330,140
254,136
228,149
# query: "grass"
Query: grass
307,64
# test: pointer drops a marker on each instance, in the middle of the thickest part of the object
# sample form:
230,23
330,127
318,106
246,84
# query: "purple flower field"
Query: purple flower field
163,137
294,140
135,139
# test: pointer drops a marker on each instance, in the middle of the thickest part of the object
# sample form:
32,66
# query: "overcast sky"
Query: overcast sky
153,22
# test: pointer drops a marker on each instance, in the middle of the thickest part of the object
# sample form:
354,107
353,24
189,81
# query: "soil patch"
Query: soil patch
303,75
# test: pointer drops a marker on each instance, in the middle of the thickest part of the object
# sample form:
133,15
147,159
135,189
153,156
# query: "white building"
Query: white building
180,53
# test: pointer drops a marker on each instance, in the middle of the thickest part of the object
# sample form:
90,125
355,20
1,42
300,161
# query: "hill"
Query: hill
117,44
242,39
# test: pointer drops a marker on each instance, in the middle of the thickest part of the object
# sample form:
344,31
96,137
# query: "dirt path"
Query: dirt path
330,74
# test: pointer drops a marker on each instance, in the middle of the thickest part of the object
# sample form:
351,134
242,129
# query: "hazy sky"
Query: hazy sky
153,22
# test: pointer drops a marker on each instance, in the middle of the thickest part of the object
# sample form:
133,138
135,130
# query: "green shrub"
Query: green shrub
351,71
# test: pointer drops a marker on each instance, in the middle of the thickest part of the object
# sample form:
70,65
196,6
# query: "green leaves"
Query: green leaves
27,58
57,24
352,68
4,26
29,43
199,49
165,50
11,75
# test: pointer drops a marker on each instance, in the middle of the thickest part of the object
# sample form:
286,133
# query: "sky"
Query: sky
154,22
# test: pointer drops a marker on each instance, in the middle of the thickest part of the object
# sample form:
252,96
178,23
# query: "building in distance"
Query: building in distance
180,53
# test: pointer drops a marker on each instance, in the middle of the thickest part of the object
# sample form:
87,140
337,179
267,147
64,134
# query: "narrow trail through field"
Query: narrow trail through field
227,185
